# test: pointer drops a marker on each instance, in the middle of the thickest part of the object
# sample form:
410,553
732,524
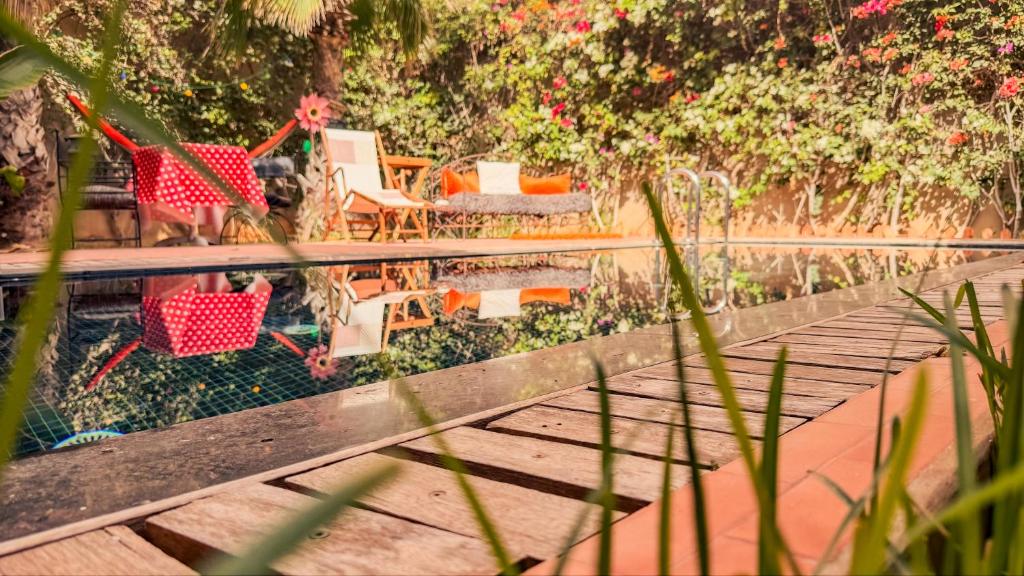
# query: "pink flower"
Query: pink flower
820,39
313,112
651,139
559,83
582,185
922,79
1005,49
1009,88
566,123
557,110
546,97
321,366
583,26
621,14
944,34
880,7
636,91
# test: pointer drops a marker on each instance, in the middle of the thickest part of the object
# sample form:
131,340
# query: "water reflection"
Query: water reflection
136,353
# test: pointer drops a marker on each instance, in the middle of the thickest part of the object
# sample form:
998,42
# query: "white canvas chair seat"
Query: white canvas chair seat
360,331
390,198
499,304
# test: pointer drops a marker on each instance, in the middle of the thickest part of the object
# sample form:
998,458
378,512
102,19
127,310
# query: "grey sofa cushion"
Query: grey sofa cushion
516,204
516,278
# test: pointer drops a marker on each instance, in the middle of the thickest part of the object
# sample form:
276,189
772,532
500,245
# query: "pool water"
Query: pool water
130,353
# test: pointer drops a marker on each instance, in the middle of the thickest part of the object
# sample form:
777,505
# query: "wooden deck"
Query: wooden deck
533,466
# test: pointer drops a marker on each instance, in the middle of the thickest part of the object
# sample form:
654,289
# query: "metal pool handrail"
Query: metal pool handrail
694,194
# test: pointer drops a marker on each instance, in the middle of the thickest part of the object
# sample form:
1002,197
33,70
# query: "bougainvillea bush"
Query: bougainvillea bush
847,115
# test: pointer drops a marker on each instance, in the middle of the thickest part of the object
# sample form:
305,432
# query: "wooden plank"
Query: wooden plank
357,542
812,356
869,331
667,371
115,550
865,377
851,356
634,436
878,325
530,523
666,412
564,469
750,400
852,342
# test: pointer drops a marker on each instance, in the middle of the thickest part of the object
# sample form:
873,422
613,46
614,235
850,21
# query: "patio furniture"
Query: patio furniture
364,201
374,308
172,191
186,315
477,193
110,189
501,292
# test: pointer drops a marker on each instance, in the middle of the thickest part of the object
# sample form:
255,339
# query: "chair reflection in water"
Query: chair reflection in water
376,301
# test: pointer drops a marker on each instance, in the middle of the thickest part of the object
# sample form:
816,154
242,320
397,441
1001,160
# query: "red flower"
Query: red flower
557,110
940,22
889,54
783,62
583,26
621,14
957,138
566,123
873,54
820,39
922,79
944,34
1009,88
559,82
636,91
692,97
546,97
853,62
582,185
519,15
906,69
888,38
958,63
780,43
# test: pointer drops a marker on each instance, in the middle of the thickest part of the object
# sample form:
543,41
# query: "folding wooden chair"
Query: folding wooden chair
364,200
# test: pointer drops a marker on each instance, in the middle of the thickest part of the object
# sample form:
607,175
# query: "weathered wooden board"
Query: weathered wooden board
882,325
553,467
357,542
636,436
115,550
530,523
811,356
666,412
853,342
667,371
866,331
750,400
866,377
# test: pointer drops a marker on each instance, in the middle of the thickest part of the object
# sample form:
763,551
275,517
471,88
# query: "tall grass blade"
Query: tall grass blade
35,317
969,531
713,359
871,541
700,520
665,513
768,560
604,557
452,463
285,538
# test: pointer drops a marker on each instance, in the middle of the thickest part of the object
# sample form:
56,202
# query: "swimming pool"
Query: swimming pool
132,352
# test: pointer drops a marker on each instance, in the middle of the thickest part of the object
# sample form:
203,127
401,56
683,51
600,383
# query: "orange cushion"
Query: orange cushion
559,184
455,301
550,295
453,183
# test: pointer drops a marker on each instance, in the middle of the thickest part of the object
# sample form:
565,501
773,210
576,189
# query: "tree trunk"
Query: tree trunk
26,217
329,40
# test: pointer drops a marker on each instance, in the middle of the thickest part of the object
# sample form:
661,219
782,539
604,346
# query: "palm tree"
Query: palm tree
331,25
26,216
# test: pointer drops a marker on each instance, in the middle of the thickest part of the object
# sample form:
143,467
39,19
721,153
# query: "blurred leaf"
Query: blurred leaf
19,69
